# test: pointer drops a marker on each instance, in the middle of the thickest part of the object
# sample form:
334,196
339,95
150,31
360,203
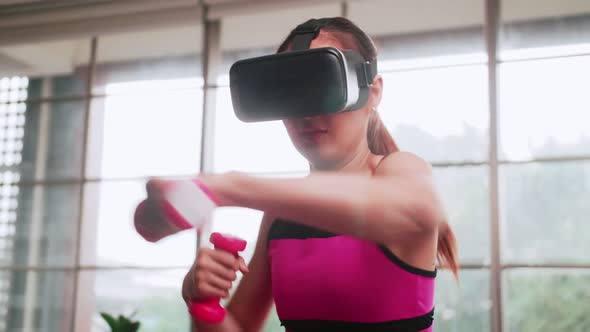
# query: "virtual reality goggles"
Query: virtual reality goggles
302,82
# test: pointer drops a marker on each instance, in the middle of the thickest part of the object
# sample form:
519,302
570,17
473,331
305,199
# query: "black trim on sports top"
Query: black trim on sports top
284,229
402,325
406,266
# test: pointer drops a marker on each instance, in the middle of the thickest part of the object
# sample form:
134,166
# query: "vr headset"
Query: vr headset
300,83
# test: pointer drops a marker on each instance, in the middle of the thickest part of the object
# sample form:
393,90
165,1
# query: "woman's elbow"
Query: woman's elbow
427,216
427,208
416,207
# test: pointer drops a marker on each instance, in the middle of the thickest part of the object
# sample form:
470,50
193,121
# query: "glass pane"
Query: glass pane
9,204
547,300
463,306
156,54
545,117
12,139
465,193
415,32
440,114
157,131
40,225
36,301
541,28
252,147
110,239
52,144
153,295
53,69
13,90
12,130
545,212
248,34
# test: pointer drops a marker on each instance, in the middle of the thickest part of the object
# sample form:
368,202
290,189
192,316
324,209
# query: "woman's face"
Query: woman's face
332,139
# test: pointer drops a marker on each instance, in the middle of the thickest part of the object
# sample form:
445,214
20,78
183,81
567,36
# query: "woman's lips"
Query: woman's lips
312,134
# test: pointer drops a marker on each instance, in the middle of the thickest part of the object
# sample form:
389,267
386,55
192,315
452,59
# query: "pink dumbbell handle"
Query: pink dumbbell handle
210,310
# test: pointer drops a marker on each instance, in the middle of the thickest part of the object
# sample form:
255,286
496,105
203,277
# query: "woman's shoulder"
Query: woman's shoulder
402,162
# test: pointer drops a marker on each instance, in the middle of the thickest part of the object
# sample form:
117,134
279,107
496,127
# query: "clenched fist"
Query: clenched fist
212,275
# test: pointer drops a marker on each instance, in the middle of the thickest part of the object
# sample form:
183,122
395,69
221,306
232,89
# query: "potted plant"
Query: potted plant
121,323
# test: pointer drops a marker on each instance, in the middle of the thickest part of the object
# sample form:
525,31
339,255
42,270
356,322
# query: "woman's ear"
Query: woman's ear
376,92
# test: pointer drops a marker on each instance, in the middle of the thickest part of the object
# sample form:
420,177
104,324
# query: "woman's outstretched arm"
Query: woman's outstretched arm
398,201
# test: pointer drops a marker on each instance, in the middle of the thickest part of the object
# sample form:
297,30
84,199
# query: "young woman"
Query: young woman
351,247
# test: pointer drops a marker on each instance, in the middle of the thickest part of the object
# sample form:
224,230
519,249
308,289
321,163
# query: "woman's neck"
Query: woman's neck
360,162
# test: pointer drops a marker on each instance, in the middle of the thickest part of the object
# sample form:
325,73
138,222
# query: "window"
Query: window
145,120
84,122
558,232
123,291
546,300
543,148
544,108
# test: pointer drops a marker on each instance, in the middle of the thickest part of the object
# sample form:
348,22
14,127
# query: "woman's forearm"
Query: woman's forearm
378,209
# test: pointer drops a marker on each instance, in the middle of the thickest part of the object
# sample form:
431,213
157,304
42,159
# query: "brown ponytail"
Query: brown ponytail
380,141
446,250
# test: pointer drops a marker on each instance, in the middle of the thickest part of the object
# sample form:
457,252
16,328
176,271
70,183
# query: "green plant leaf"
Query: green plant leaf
121,323
110,320
134,326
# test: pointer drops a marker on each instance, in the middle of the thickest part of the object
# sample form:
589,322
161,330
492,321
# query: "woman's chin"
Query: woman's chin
317,156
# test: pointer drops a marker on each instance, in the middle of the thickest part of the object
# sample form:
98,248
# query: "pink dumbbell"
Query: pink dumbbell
173,206
210,310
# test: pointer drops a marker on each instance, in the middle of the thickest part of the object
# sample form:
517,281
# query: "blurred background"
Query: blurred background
97,95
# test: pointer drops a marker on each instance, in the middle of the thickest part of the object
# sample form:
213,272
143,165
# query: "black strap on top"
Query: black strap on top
304,34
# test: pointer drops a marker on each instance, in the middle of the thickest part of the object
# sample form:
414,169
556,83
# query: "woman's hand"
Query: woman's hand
212,275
